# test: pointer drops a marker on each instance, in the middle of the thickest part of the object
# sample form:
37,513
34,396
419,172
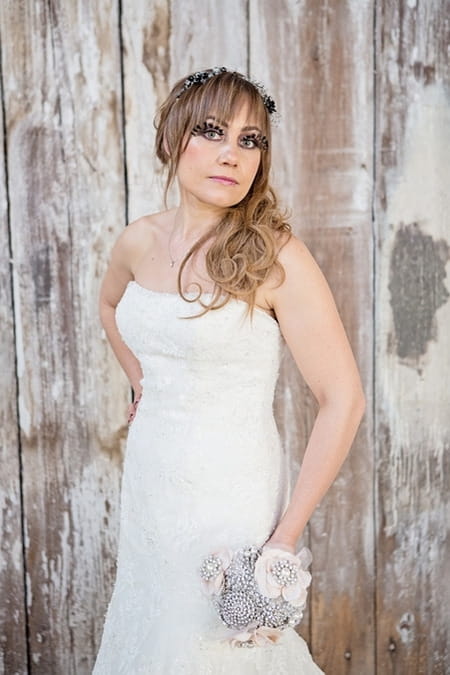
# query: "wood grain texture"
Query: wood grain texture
13,648
322,82
146,57
206,34
62,97
413,332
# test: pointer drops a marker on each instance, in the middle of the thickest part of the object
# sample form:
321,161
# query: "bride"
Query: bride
196,303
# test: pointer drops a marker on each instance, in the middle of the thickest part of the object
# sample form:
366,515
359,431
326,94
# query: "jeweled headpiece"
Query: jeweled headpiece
203,76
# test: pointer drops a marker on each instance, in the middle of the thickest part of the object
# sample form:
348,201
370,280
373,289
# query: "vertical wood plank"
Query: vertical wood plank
13,648
146,59
163,41
205,34
413,334
316,59
63,121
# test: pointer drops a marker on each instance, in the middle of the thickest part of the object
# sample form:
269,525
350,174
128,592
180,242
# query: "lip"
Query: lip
225,180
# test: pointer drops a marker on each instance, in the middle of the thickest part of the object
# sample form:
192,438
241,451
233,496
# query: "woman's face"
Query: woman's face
221,160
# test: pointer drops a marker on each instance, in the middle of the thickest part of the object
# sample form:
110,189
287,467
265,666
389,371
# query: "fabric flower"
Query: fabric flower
212,570
254,637
280,573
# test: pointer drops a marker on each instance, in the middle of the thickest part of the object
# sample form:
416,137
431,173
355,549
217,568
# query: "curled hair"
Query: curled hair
246,241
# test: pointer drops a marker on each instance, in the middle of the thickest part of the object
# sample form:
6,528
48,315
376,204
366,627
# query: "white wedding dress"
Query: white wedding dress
204,469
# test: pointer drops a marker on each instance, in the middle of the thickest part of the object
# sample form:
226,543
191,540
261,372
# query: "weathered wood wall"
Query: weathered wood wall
362,161
64,158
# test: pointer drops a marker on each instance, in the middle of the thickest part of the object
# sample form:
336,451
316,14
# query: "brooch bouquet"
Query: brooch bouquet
257,592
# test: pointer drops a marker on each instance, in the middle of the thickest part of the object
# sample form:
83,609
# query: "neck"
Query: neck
192,219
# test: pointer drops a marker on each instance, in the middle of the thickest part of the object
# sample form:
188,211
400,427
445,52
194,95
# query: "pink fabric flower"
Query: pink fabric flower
214,567
255,637
279,572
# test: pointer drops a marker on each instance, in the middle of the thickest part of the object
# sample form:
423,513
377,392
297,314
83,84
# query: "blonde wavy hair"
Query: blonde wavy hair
246,241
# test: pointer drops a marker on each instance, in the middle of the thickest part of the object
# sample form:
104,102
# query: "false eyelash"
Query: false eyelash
206,126
260,140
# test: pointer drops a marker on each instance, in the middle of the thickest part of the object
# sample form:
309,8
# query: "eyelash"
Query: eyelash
259,140
207,127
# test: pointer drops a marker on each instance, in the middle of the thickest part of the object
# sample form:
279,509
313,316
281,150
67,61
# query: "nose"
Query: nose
228,155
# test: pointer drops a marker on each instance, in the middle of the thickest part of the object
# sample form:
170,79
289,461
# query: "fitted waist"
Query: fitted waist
220,405
169,391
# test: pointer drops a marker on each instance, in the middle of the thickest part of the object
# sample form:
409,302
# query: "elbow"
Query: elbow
106,312
359,404
349,401
356,402
102,312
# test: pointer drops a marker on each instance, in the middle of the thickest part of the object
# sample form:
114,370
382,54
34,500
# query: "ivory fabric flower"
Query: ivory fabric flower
280,573
212,570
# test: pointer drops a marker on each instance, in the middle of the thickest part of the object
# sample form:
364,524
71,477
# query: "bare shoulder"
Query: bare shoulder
138,237
292,251
301,271
142,231
133,243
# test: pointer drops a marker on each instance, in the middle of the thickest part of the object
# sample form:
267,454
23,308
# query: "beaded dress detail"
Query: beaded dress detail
204,469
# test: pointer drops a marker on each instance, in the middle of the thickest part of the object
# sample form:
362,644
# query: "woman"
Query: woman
195,303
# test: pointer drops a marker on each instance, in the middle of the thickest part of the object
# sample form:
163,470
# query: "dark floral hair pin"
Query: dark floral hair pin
203,76
200,77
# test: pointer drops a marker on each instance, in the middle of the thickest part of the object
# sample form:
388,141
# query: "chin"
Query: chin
222,201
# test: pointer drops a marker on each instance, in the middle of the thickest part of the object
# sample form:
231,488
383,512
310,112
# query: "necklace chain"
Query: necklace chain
172,260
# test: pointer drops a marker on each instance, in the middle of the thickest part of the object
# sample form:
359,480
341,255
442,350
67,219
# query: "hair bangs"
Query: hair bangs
223,96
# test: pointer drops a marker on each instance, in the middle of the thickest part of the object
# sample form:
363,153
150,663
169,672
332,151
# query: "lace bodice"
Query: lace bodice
200,360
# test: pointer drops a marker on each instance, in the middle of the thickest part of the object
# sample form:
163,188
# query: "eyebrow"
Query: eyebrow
252,127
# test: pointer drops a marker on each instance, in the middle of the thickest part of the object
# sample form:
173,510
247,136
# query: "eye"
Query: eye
209,130
254,141
213,134
249,142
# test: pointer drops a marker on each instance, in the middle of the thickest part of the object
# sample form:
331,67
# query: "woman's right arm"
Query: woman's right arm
118,274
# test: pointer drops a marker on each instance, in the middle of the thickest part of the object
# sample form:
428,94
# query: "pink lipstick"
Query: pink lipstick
225,180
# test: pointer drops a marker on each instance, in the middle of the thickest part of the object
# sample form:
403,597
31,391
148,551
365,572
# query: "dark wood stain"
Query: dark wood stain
156,49
417,288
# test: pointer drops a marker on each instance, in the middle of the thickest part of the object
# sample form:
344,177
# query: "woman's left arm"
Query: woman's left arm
314,333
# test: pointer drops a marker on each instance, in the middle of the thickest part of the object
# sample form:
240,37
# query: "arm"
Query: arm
316,338
118,274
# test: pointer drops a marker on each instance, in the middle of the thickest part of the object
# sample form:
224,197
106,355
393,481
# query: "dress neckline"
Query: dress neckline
169,294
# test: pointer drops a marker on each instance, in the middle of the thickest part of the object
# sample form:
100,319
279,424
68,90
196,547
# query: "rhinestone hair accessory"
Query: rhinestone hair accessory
257,592
203,76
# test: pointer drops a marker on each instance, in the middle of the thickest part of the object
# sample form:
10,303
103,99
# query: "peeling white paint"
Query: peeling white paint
418,191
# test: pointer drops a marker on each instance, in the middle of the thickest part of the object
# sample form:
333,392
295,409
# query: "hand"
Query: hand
132,409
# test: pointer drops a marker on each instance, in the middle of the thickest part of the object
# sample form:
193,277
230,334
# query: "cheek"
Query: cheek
194,152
